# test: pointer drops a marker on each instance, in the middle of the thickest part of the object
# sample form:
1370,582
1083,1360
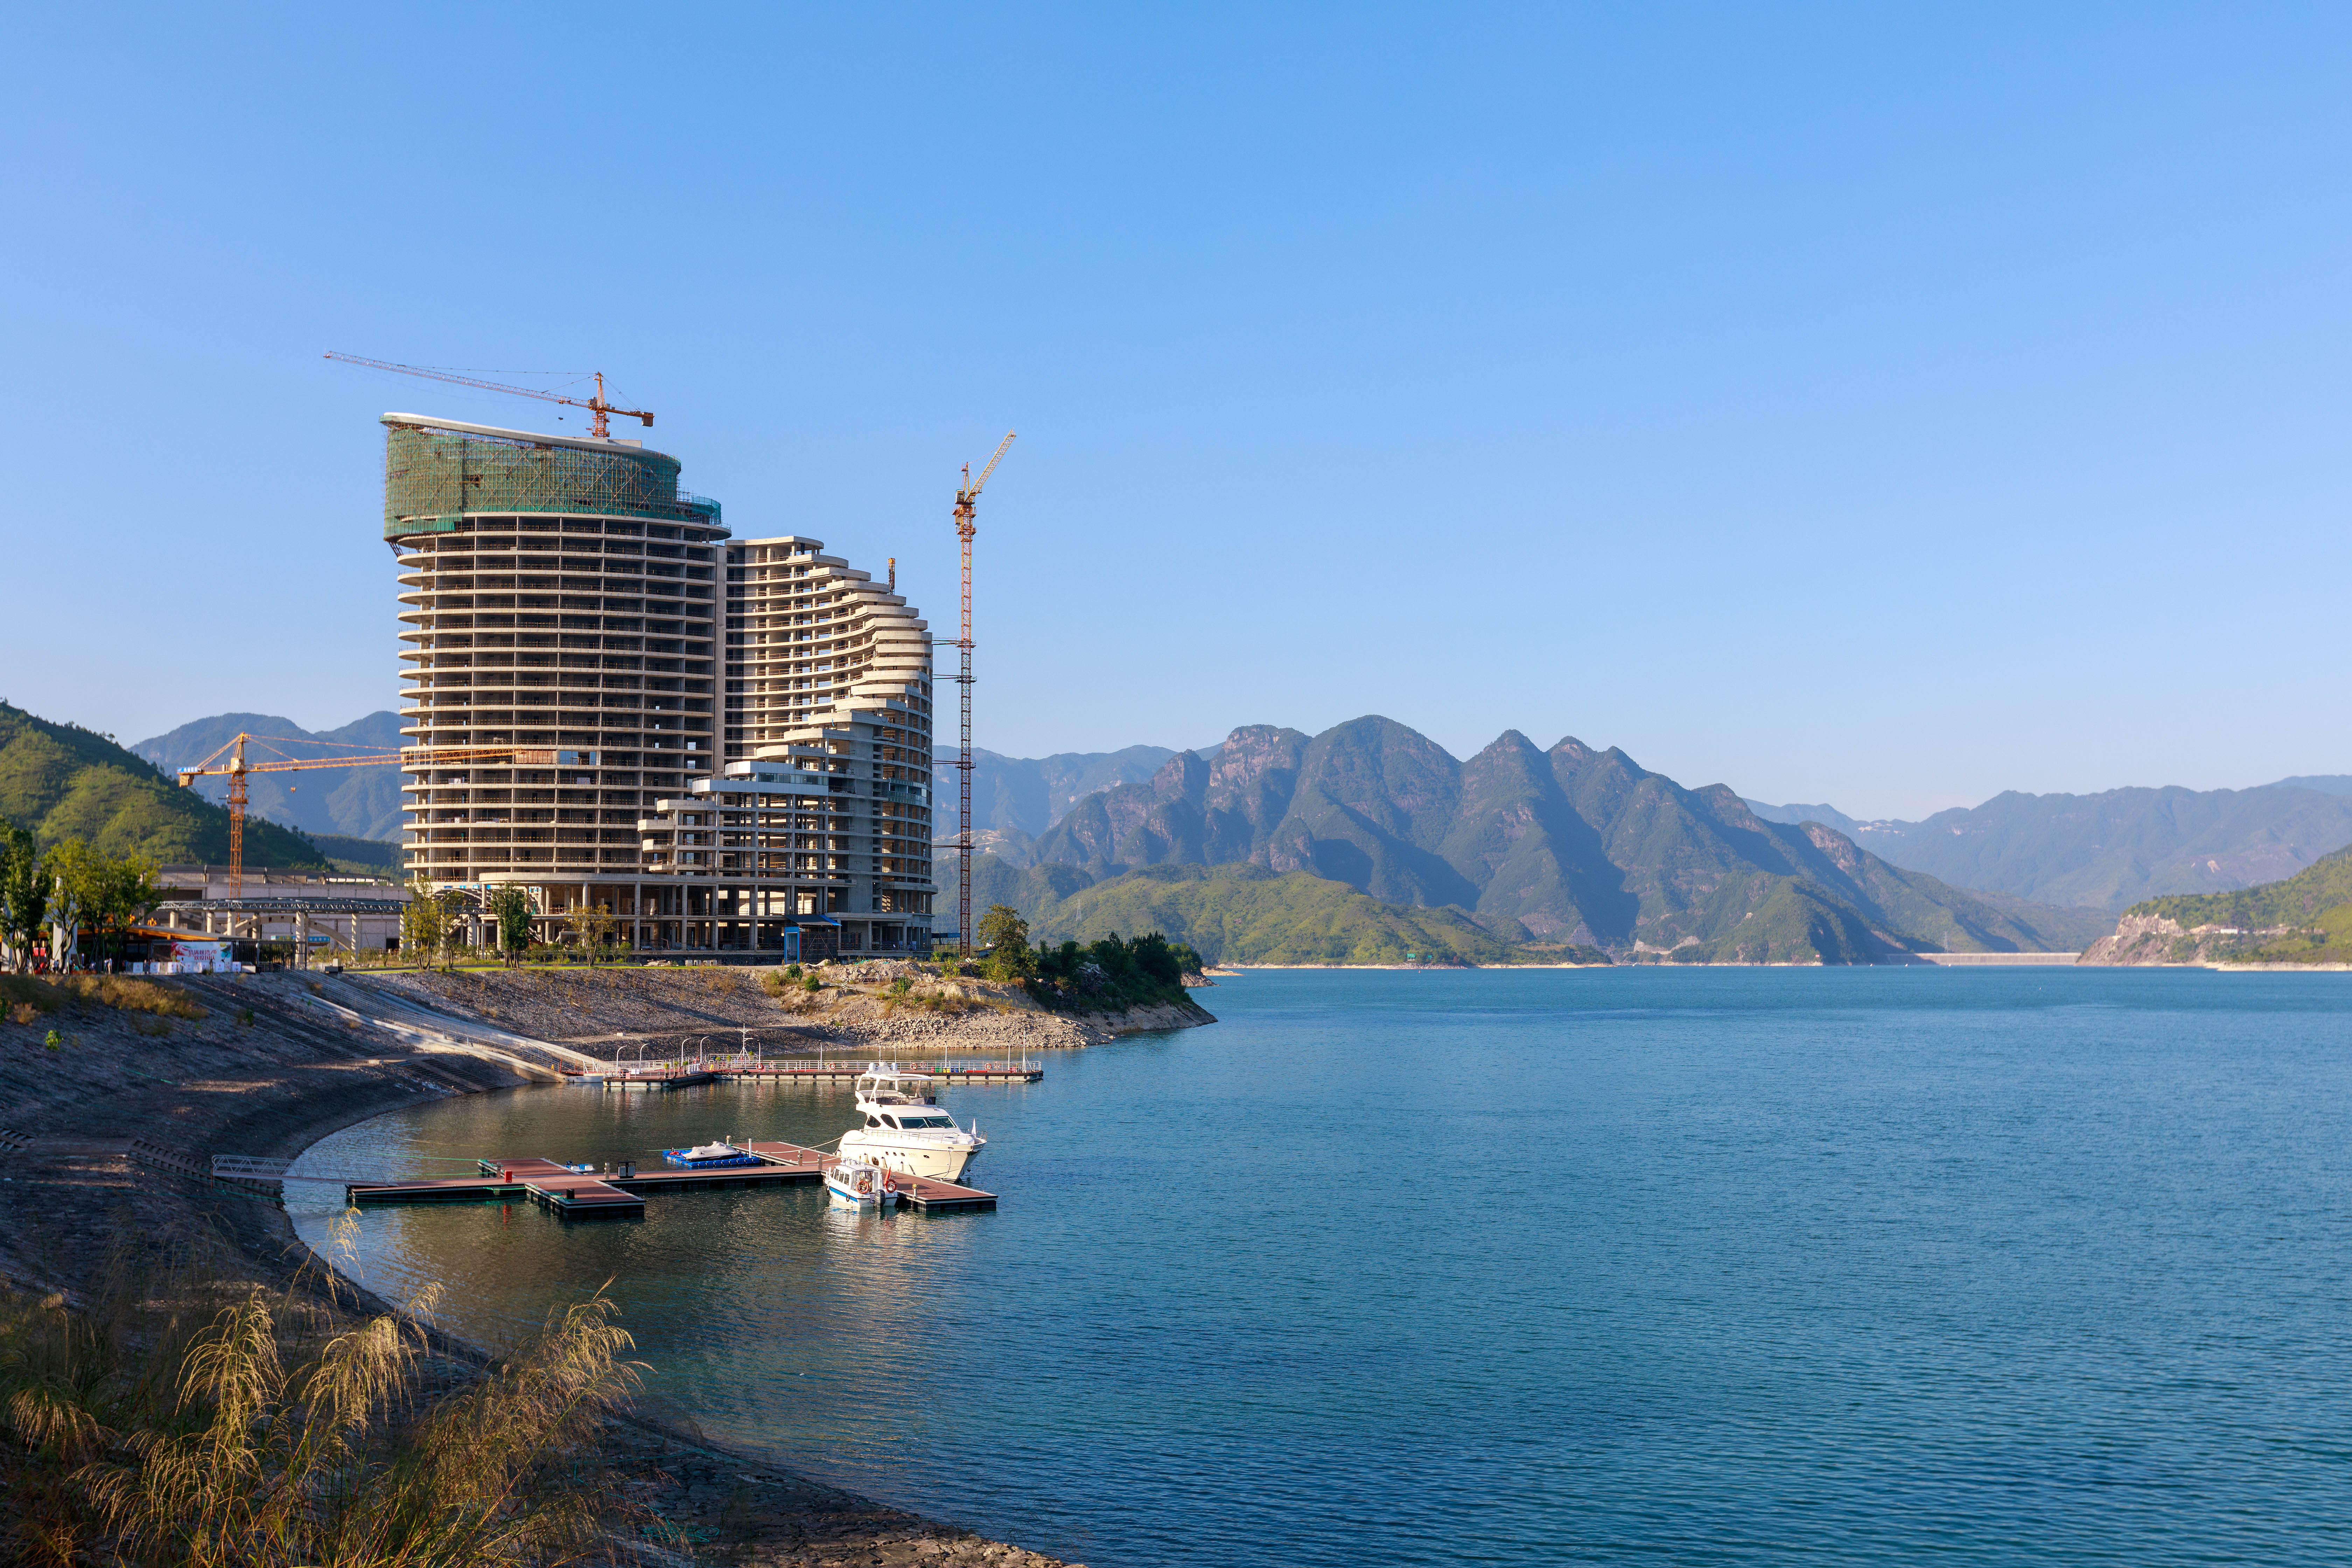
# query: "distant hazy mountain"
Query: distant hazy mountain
2325,784
2109,851
362,803
1570,847
1828,815
59,781
1029,795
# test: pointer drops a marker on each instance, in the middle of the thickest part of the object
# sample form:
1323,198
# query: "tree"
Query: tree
591,927
120,891
1002,926
510,906
23,897
73,871
424,923
1006,936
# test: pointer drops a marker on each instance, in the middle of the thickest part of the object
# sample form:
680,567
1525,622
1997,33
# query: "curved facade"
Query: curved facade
563,598
822,814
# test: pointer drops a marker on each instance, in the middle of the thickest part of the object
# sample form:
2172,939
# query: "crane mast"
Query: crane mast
966,510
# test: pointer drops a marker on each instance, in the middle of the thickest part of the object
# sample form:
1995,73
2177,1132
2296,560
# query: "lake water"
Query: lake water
1647,1266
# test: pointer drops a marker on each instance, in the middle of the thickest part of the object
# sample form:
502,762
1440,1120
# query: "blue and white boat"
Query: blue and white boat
708,1156
857,1181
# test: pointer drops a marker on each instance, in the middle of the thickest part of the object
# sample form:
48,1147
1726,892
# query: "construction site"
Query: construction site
673,740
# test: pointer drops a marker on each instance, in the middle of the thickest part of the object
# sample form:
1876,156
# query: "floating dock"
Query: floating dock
607,1194
658,1079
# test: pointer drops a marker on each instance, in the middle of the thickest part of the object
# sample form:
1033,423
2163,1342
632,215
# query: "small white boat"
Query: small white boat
856,1182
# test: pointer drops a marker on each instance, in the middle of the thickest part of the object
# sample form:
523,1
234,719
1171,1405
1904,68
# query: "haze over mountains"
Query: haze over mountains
1569,847
2109,851
1013,799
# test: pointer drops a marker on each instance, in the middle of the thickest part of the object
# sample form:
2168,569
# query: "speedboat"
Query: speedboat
903,1128
702,1156
857,1181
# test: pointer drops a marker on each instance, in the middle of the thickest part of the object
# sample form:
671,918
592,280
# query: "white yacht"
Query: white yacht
902,1127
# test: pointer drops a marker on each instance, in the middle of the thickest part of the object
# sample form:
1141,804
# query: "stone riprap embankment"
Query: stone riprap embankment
108,1138
879,1005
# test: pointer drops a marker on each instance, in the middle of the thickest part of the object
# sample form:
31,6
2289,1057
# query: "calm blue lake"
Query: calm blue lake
1648,1266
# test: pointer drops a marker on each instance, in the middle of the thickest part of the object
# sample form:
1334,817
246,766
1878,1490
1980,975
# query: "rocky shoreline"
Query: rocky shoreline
115,1126
878,1007
2159,940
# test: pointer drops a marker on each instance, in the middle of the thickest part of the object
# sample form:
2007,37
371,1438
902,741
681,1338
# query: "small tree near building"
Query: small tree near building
122,893
591,926
23,897
509,907
73,874
423,924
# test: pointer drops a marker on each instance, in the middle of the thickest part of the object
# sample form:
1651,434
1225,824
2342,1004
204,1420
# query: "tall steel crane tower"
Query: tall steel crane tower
967,497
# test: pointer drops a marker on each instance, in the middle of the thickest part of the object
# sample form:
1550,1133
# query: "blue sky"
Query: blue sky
1879,405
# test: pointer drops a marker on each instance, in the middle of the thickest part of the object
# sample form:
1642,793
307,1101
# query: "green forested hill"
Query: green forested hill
63,781
2314,906
1247,915
2298,901
1232,914
1244,913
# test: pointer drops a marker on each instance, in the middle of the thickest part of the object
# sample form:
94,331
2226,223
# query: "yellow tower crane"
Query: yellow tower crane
409,759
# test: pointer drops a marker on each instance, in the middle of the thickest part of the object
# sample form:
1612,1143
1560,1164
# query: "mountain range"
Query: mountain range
359,803
2102,851
2111,850
1013,799
59,781
1570,848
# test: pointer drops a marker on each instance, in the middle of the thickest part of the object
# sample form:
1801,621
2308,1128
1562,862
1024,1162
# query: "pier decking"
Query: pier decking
580,1194
666,1078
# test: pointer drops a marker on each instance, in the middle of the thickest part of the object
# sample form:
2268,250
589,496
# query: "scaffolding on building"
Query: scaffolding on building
434,476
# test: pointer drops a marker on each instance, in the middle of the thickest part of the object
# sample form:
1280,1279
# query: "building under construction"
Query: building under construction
722,745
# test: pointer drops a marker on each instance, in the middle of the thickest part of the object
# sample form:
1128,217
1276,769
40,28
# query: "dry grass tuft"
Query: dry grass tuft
190,1420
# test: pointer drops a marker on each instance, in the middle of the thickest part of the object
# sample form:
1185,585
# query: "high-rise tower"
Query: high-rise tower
562,594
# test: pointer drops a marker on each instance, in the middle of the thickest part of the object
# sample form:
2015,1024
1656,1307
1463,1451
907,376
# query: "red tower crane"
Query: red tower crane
967,497
596,405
